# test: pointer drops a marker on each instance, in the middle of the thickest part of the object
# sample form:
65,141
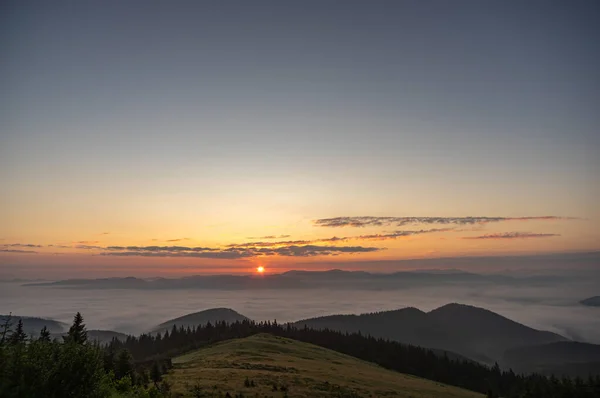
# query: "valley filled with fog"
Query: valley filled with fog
552,305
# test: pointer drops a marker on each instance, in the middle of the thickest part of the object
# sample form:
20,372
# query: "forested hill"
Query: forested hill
389,354
565,357
264,365
202,318
35,366
474,332
33,325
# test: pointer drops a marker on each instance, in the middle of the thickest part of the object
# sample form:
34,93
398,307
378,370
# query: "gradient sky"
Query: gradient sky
143,125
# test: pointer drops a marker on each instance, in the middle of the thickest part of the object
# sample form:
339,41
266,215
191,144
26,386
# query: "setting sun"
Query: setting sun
260,269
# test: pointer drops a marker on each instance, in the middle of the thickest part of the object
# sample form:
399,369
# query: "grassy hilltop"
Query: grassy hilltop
303,370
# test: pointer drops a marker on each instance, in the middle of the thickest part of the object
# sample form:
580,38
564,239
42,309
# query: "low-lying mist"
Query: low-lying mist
552,306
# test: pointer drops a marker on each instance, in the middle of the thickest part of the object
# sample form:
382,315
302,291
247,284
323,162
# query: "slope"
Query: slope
591,302
33,325
562,358
202,318
474,332
304,370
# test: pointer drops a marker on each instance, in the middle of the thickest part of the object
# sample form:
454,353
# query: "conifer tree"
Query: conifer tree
19,335
77,331
44,335
124,365
4,329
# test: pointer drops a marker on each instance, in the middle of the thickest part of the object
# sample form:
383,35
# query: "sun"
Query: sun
260,269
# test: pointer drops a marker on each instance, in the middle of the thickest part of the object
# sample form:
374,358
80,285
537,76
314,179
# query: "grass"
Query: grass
303,370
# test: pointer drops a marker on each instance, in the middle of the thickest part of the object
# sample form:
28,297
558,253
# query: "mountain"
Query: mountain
212,315
33,325
592,301
302,369
474,332
105,336
561,358
336,279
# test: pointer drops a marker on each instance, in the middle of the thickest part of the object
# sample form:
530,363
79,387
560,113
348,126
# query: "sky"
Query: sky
148,137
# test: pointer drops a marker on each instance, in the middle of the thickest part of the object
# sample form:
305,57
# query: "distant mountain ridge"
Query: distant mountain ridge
456,330
32,325
474,332
591,302
295,279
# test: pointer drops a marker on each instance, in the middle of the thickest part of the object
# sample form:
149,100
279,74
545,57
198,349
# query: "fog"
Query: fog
553,306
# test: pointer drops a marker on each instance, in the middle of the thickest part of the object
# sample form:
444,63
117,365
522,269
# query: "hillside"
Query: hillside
565,357
474,332
33,325
592,301
304,369
105,336
201,318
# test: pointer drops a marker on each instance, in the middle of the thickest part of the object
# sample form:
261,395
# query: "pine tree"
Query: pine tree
77,331
44,335
124,365
18,336
5,329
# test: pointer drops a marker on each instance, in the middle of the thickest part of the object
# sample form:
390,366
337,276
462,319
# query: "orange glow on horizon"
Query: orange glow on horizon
260,269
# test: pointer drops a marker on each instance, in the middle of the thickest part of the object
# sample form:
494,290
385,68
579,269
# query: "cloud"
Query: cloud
313,250
391,235
17,251
60,246
401,234
268,237
88,247
170,240
105,233
26,245
269,244
226,254
369,221
87,242
293,250
159,248
511,235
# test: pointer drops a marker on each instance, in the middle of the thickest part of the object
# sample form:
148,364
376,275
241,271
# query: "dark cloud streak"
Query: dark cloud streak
27,245
234,252
269,237
17,251
369,221
512,235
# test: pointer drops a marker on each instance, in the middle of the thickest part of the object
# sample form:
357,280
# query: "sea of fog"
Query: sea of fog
553,308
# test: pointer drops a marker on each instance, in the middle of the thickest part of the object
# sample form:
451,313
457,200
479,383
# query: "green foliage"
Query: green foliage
73,368
155,373
49,369
124,365
196,391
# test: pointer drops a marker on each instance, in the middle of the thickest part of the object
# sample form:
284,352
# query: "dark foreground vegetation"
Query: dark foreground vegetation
37,366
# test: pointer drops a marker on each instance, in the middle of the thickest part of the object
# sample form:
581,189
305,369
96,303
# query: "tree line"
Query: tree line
418,361
39,366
